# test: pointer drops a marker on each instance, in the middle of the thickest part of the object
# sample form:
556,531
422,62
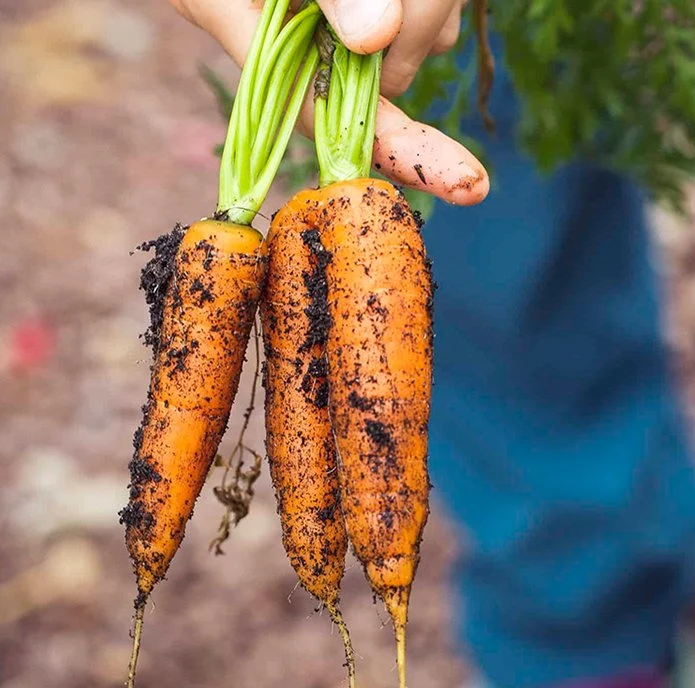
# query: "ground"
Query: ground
106,142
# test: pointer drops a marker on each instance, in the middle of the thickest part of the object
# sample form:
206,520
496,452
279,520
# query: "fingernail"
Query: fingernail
356,18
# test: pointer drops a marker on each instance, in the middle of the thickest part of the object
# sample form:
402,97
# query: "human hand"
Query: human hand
406,151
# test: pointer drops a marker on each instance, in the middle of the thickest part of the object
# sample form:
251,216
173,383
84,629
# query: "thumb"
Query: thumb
364,26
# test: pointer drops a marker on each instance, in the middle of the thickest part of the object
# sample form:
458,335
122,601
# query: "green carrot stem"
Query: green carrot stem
345,121
335,93
236,135
273,85
372,109
291,36
246,123
289,50
248,204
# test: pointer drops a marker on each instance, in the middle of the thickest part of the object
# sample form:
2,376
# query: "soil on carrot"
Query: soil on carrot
359,402
317,286
155,278
314,383
379,434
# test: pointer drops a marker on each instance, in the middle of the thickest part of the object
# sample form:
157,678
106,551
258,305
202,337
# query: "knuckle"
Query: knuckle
446,40
396,81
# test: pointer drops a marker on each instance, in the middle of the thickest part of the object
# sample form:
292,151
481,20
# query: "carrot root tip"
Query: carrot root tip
137,637
339,621
400,654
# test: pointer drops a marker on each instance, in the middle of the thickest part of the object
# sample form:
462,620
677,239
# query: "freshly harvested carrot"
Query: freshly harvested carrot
299,439
379,344
377,318
380,374
207,314
204,305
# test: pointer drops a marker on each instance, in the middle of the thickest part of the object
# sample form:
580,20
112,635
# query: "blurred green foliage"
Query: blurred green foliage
609,82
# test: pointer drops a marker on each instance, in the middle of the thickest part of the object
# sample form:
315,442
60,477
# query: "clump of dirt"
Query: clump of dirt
205,293
155,278
378,433
327,512
399,212
317,286
314,383
136,516
361,403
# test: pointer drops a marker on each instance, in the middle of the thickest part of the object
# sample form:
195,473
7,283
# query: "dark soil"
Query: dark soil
317,287
155,278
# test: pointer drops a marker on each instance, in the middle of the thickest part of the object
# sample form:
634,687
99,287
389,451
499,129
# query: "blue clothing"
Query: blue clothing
556,437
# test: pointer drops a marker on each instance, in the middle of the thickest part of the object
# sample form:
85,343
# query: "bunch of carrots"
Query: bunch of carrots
344,290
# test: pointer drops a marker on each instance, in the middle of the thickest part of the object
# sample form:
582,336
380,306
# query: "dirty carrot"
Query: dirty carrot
377,316
299,439
204,285
380,369
374,321
379,343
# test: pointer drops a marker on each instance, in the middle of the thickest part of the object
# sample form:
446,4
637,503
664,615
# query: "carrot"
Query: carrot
380,370
299,439
356,246
202,324
207,315
379,344
378,323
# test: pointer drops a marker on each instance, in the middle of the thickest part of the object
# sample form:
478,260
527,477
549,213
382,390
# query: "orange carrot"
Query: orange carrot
206,302
299,439
379,344
200,332
379,350
207,315
380,374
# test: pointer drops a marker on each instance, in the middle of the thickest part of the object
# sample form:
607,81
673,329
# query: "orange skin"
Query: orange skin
379,350
207,316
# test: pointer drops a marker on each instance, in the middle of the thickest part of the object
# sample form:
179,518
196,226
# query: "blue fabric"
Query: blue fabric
556,437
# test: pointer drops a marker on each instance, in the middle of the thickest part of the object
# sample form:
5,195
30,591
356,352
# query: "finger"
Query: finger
181,9
423,158
364,26
449,34
416,155
413,44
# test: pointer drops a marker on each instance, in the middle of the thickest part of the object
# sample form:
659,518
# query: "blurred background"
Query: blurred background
106,141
